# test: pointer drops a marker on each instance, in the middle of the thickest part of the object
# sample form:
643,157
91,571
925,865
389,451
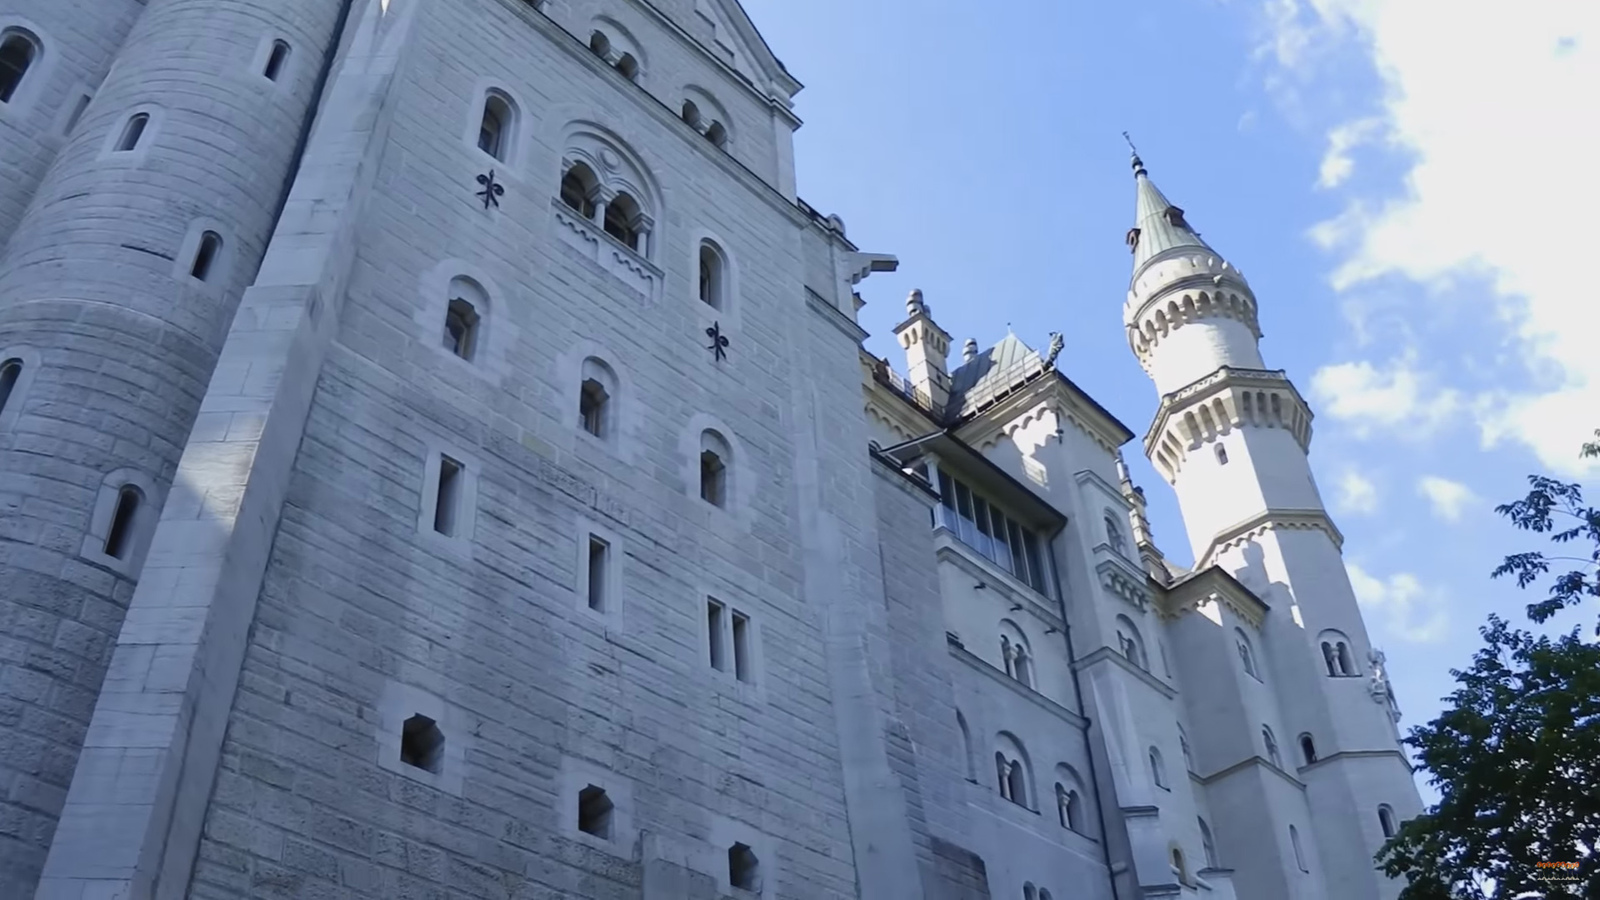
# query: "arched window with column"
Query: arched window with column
1069,799
1012,770
608,184
1270,743
1247,653
1336,656
1015,654
1130,643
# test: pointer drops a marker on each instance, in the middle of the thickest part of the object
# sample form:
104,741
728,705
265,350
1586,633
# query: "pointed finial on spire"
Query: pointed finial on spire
1138,164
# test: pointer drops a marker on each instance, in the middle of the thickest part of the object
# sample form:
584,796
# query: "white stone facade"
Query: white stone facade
376,528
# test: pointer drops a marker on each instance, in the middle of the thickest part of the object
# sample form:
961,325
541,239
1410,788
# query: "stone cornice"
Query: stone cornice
1227,399
1208,584
1113,658
973,661
1356,754
1188,300
1248,763
1241,533
835,317
952,551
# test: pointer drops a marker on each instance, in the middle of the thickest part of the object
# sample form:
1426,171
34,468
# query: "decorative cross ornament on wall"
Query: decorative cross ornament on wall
719,341
492,190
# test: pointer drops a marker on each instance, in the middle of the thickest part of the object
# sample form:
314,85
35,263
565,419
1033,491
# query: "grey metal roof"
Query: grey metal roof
1159,232
993,373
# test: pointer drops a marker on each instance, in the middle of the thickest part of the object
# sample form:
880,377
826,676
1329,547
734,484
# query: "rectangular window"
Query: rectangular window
448,498
741,646
714,626
599,556
980,524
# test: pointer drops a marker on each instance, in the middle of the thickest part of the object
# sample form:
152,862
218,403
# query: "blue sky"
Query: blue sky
1407,192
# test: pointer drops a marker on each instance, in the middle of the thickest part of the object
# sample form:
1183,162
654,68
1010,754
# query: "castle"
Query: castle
438,460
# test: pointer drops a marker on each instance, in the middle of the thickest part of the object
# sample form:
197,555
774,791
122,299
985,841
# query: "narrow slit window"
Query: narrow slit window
445,512
714,626
741,646
132,133
17,54
275,61
119,538
205,256
10,371
78,109
599,556
594,812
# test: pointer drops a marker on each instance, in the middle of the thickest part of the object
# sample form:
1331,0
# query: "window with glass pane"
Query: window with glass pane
994,535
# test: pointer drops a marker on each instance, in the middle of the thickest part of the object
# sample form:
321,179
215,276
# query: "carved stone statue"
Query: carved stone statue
1056,345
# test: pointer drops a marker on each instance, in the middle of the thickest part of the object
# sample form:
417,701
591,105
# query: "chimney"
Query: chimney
927,347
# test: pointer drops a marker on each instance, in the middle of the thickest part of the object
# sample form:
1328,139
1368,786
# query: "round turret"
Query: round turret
117,288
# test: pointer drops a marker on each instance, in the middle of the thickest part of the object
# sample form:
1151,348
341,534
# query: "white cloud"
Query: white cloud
1356,493
1448,498
1336,163
1404,609
1495,116
1398,397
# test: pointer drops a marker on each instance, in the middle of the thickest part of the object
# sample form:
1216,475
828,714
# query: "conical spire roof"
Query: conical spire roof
1159,227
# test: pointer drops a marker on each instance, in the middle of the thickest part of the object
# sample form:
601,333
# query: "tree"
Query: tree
1516,753
1516,759
1548,503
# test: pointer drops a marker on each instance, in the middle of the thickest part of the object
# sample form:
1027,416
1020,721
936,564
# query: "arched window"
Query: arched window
463,318
595,393
1271,744
132,133
577,190
691,113
1015,657
600,44
1247,654
495,126
119,538
205,256
1158,768
1308,749
1336,654
1180,866
713,275
1129,643
275,60
18,51
1069,799
1011,771
1386,820
1044,894
1183,744
1208,845
628,66
1114,534
1029,892
717,134
1294,843
622,220
1222,454
714,456
10,371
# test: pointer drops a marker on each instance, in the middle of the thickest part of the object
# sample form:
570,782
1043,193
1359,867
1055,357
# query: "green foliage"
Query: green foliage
1548,505
1515,756
1516,759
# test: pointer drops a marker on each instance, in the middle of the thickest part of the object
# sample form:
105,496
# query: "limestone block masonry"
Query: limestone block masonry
369,533
96,282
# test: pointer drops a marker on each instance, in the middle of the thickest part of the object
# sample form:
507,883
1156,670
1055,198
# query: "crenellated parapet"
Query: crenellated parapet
1183,290
1223,401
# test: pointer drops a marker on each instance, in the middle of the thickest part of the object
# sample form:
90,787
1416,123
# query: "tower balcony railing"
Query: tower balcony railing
885,375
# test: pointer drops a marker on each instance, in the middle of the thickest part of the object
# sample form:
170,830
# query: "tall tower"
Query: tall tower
1232,438
118,283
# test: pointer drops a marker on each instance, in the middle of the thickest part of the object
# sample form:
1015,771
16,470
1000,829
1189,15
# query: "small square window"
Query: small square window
595,812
